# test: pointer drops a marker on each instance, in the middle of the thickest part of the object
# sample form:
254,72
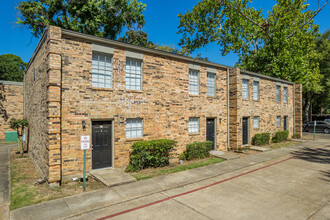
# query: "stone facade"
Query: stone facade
267,108
11,104
59,97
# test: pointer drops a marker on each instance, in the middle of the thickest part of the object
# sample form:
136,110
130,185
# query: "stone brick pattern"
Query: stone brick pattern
298,110
11,99
267,108
164,103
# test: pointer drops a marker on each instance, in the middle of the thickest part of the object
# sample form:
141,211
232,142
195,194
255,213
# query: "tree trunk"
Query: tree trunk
306,109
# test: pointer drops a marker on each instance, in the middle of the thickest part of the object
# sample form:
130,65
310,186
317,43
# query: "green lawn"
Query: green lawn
283,144
163,171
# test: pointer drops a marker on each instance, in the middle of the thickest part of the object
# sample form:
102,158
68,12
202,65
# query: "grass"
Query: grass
282,144
153,172
24,192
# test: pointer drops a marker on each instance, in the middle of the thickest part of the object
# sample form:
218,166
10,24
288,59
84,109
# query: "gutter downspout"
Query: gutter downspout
228,116
294,109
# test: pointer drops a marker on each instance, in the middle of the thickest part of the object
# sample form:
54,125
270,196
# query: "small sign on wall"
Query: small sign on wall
85,142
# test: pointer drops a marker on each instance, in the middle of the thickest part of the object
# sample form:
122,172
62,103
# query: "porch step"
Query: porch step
112,177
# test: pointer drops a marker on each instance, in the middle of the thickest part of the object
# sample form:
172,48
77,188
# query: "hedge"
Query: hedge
197,150
280,136
261,139
154,153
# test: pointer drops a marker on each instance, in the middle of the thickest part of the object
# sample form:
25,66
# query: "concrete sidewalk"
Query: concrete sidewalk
4,181
78,204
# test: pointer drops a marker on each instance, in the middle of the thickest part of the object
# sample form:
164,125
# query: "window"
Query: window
193,82
133,74
193,125
278,93
285,94
256,122
101,70
245,89
210,84
278,121
134,128
255,90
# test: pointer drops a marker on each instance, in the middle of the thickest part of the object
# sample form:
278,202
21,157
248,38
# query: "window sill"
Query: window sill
194,134
102,89
134,91
256,100
211,97
134,139
191,95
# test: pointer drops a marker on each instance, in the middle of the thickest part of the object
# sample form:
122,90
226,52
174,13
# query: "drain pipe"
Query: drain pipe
228,140
294,109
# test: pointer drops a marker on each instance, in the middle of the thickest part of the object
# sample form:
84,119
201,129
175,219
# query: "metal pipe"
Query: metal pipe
228,140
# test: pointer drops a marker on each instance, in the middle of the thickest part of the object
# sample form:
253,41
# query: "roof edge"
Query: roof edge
140,49
266,77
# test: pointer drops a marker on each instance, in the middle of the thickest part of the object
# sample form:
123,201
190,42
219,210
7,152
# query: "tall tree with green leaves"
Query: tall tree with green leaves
11,67
279,43
103,18
321,101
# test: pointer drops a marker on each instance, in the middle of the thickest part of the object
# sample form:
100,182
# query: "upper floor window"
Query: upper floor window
133,74
134,128
193,82
285,94
210,84
255,90
278,121
278,93
256,122
245,89
193,125
101,70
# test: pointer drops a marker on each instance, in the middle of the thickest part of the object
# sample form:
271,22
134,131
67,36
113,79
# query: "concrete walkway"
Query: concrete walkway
4,181
118,199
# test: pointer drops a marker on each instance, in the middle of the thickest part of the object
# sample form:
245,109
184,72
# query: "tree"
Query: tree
280,44
11,67
104,18
19,125
321,101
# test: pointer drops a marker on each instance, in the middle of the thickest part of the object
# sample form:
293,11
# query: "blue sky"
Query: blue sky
161,25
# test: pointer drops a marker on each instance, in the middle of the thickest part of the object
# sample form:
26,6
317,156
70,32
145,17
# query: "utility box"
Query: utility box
11,136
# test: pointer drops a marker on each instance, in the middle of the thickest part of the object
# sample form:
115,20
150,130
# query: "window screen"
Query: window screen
101,70
193,125
278,121
134,128
245,89
210,84
285,94
255,90
256,122
193,82
278,93
133,74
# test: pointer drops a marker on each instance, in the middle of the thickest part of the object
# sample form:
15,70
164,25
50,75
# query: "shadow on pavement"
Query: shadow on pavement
317,155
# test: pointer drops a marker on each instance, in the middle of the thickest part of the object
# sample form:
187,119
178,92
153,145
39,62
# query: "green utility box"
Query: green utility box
11,136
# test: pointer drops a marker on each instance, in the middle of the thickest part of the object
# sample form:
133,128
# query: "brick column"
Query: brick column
298,109
234,93
54,104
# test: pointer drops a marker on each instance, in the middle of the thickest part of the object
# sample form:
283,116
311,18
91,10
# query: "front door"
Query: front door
101,144
210,130
285,123
245,131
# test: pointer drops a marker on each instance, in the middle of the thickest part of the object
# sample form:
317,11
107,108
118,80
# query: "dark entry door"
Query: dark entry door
102,144
210,130
285,123
245,131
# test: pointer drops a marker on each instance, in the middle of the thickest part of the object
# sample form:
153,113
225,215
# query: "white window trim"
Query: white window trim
254,98
211,89
254,121
191,85
285,94
191,125
136,129
128,87
278,95
245,80
104,72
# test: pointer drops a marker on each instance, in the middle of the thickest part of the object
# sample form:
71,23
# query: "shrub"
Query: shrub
197,150
155,153
280,136
295,135
261,139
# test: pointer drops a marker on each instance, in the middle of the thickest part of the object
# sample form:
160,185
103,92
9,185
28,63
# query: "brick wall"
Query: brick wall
164,103
267,108
298,110
11,105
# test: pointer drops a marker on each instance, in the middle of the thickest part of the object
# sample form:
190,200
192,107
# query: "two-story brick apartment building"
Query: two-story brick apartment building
77,84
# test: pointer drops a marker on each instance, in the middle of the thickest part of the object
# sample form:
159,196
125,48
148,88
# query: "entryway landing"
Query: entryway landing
112,177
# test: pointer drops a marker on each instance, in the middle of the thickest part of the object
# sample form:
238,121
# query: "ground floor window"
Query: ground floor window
134,128
278,121
256,122
193,125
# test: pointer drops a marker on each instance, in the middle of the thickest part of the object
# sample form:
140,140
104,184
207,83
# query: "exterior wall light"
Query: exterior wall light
83,125
220,119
